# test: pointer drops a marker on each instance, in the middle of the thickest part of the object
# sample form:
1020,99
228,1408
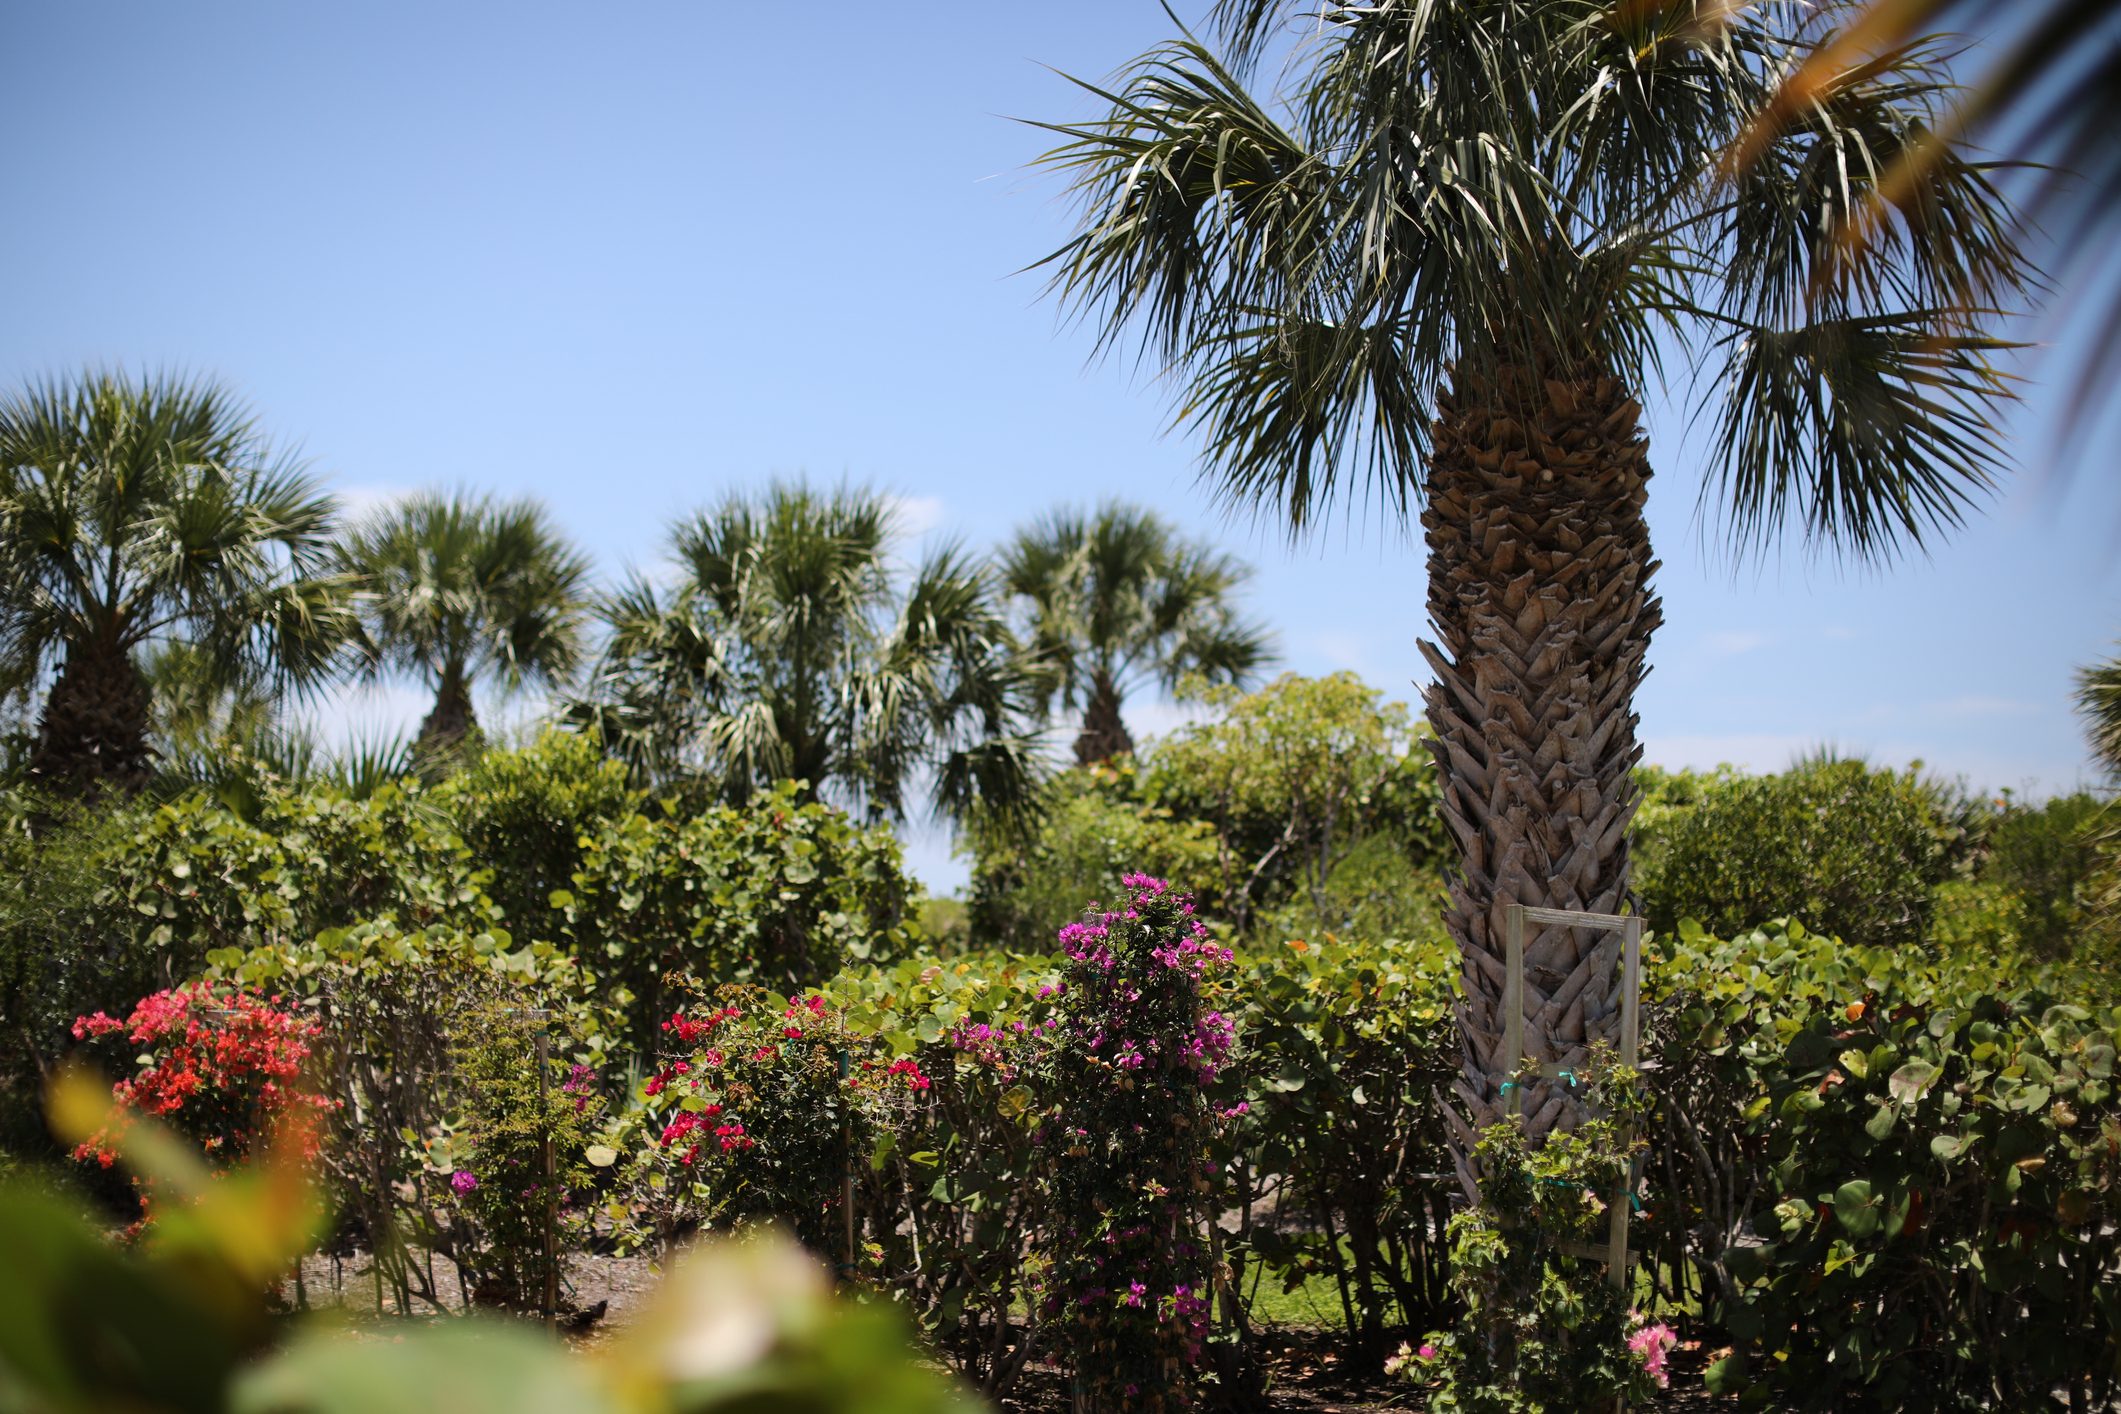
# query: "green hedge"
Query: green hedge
1868,1171
545,844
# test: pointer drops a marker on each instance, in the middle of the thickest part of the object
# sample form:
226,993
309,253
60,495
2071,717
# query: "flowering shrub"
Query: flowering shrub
396,1009
755,1113
1124,1126
1544,1330
220,1067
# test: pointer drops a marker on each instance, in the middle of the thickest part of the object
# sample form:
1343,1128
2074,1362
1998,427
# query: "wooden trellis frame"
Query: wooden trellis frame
1629,926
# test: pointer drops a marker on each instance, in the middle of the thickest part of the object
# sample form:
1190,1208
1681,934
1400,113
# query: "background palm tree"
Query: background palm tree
460,587
791,648
2099,703
137,513
1116,597
1449,265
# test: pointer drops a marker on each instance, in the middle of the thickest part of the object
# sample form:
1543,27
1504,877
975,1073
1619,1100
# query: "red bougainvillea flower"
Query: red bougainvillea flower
221,1067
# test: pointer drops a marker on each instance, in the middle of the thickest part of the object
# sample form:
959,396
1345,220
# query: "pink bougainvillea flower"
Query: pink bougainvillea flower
1651,1344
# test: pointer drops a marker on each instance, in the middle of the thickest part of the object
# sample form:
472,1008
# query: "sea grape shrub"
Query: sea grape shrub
1544,1330
221,1066
781,891
1124,1124
497,1181
1931,1162
1335,1120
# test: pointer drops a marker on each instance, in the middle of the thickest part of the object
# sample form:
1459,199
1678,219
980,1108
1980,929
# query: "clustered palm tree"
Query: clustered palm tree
151,515
1449,264
166,580
1117,597
791,646
460,587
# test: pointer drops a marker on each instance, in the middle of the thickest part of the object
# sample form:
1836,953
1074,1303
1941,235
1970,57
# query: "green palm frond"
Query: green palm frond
1559,184
1116,596
2042,89
138,513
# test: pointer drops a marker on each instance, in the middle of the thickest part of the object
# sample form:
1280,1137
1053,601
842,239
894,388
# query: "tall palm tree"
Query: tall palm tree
790,648
142,512
1450,264
1117,597
460,587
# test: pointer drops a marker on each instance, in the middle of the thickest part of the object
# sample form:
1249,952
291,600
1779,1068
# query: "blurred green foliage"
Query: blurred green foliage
1308,805
1848,848
183,1323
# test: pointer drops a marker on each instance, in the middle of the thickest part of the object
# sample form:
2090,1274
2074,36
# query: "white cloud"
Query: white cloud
1750,751
358,502
1838,633
1974,705
1730,642
916,515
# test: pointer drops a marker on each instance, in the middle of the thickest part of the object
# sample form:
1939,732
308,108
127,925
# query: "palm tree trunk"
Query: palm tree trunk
1104,735
93,731
451,725
1539,570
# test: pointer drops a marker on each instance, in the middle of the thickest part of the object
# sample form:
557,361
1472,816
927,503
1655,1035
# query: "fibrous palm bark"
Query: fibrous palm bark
450,723
94,728
1539,589
1104,734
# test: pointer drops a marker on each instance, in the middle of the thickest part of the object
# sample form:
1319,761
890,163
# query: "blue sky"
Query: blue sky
625,257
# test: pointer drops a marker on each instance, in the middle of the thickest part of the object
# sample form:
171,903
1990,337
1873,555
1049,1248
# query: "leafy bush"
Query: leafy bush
949,1191
782,891
1544,1329
525,817
1848,849
1292,778
2045,861
524,1140
59,956
1337,1166
399,1017
1097,824
1309,805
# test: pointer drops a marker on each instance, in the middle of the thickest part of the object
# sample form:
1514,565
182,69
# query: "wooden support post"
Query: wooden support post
1513,1005
847,1176
1629,926
549,1302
